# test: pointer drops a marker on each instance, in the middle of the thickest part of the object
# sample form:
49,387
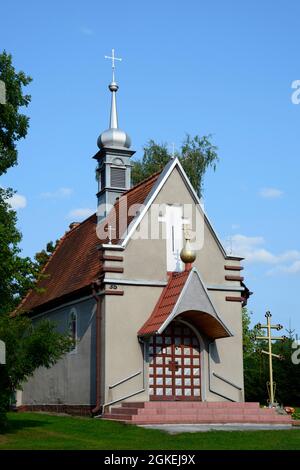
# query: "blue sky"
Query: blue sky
224,68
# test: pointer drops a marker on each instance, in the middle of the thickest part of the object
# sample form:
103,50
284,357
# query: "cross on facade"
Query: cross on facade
113,58
173,366
271,385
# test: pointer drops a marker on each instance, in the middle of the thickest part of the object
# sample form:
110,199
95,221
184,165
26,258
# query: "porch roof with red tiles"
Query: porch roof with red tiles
166,303
75,263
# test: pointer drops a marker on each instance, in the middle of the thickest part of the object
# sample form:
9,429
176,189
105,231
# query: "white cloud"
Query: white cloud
270,193
87,31
17,201
253,250
293,268
80,213
60,193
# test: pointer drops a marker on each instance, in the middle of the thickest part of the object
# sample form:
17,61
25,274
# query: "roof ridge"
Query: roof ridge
125,193
19,307
142,182
72,230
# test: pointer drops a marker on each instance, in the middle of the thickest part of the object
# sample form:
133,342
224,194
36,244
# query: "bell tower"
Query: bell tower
114,167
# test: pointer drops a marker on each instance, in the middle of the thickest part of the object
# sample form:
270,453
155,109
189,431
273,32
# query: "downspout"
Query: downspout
98,406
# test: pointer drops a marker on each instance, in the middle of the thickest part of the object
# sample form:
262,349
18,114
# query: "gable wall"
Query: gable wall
146,260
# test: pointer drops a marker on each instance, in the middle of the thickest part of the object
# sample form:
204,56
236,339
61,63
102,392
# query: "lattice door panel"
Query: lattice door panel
174,364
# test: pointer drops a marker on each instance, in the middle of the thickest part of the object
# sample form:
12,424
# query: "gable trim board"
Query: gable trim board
174,312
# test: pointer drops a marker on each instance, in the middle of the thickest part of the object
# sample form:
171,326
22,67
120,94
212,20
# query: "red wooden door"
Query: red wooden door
174,364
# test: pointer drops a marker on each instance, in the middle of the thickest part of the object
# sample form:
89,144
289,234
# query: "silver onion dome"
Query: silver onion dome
113,136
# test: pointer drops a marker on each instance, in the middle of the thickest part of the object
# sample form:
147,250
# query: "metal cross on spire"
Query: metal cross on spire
113,58
173,147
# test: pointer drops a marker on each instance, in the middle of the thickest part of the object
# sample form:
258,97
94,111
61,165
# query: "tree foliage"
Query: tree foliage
16,273
41,257
28,346
196,155
13,124
256,368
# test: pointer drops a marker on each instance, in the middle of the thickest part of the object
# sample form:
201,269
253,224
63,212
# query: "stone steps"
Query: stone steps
194,413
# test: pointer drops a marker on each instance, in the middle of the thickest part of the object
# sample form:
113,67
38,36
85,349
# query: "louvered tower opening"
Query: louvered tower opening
102,178
117,177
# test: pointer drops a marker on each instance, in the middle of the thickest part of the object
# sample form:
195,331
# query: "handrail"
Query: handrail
134,393
211,373
226,381
124,380
122,398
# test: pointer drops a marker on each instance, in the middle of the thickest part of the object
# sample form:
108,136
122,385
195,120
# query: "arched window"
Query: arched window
73,328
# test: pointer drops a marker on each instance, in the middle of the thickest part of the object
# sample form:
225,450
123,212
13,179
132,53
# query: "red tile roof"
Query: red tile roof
208,324
76,263
133,198
165,304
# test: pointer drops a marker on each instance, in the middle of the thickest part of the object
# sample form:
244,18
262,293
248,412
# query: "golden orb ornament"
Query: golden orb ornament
187,255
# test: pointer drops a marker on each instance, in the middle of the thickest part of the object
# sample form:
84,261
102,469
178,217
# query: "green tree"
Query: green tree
41,257
286,374
196,155
248,333
13,124
16,273
256,367
28,346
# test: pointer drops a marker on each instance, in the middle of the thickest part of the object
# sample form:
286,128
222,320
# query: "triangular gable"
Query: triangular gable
161,180
186,296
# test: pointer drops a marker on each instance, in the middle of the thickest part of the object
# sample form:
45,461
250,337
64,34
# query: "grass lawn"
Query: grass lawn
44,431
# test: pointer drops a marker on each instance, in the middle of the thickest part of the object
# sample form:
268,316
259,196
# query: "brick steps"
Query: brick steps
195,413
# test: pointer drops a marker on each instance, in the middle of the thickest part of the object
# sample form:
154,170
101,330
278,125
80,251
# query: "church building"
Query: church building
146,289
